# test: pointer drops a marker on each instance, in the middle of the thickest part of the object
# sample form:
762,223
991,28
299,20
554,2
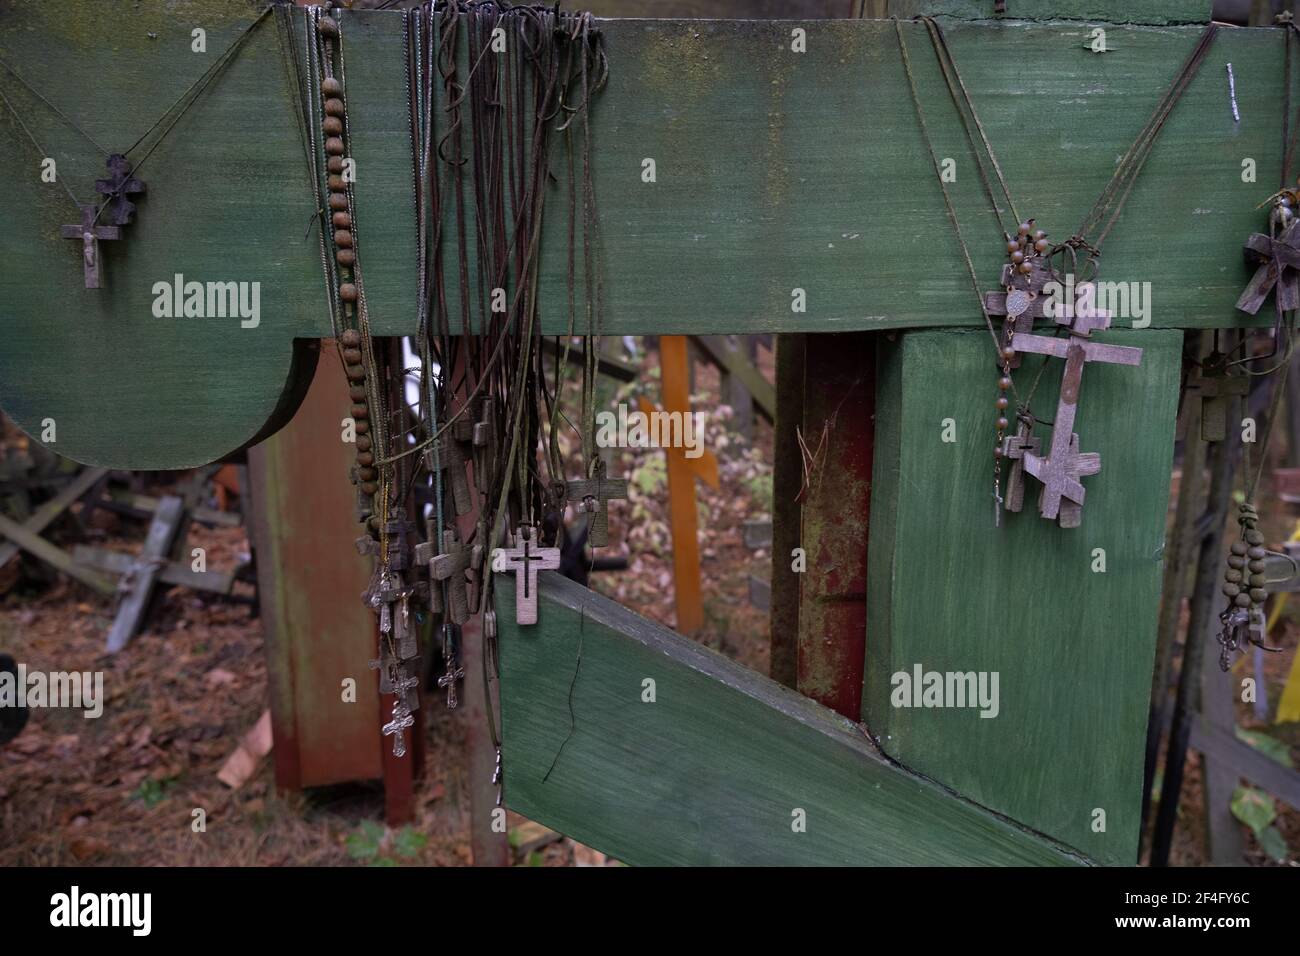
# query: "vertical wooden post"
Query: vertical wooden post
682,472
310,579
838,431
787,480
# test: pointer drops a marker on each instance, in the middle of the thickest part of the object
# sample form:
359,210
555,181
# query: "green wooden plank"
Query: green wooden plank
775,171
712,771
1156,12
229,199
1073,648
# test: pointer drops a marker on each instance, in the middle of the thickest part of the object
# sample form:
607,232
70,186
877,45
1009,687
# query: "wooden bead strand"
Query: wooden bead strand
364,472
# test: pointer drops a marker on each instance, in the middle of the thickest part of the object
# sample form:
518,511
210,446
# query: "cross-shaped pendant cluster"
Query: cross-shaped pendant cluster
1060,471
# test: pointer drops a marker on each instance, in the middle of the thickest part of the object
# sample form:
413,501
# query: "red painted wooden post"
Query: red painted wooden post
837,432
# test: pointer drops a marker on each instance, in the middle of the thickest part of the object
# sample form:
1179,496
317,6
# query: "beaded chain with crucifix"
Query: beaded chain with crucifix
471,474
1031,288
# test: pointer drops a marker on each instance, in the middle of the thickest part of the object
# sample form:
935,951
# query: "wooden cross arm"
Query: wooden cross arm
97,232
864,810
1092,351
1260,247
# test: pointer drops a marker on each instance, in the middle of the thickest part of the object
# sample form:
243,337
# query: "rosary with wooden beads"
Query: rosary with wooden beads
485,392
1060,469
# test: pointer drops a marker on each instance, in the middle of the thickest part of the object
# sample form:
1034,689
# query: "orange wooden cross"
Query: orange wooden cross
682,472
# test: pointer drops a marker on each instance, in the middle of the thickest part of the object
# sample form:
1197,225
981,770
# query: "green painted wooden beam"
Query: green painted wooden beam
775,171
713,770
1073,646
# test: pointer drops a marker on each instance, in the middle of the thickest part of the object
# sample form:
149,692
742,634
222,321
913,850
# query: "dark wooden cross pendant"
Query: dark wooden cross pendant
118,190
1060,471
477,429
90,235
592,496
1014,448
450,566
1277,261
1216,387
445,456
529,561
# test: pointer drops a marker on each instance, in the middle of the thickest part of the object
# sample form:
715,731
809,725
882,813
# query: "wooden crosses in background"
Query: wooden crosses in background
682,472
445,456
452,566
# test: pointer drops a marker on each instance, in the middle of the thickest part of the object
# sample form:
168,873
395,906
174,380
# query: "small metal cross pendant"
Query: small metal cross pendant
529,561
90,235
451,654
402,720
592,495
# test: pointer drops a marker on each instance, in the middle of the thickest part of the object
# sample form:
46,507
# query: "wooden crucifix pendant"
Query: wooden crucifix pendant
526,560
592,496
1277,261
1216,387
445,456
1014,448
90,235
118,189
1062,495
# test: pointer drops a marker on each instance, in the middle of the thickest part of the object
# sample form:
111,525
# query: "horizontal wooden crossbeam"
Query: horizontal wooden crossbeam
655,750
790,191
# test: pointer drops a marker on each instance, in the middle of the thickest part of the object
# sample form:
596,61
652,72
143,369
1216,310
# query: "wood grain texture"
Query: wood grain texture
710,772
775,171
318,631
229,200
1155,12
1073,648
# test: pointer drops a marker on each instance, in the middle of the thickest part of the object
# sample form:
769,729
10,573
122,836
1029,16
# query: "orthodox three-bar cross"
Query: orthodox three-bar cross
1063,466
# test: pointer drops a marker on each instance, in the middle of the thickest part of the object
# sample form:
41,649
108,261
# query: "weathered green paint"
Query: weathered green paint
229,199
775,171
1155,12
711,772
1073,648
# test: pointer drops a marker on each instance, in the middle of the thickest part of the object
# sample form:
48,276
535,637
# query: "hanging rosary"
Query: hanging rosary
504,87
1023,280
